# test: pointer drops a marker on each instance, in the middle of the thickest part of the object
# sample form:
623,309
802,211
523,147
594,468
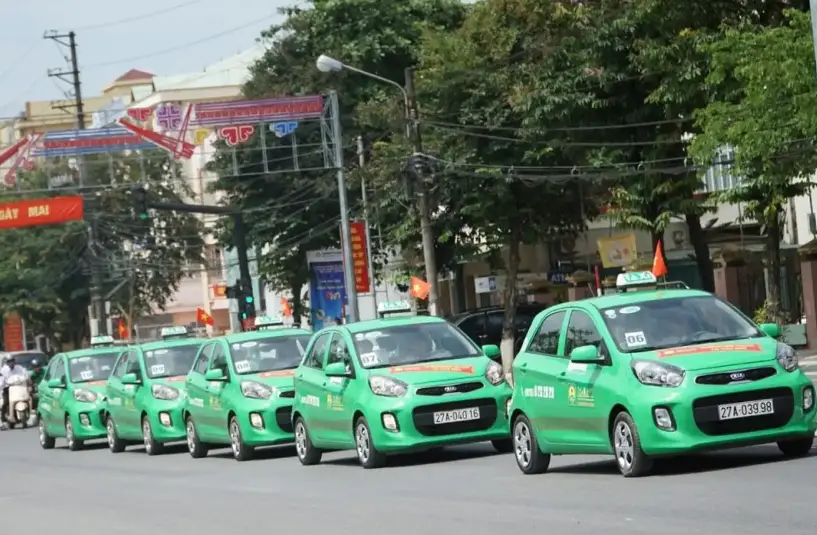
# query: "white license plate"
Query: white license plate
746,409
461,415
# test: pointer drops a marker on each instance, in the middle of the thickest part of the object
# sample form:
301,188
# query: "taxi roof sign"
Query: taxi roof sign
263,323
102,340
394,307
174,332
635,278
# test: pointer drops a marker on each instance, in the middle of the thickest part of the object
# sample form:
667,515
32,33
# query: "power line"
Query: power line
20,59
136,18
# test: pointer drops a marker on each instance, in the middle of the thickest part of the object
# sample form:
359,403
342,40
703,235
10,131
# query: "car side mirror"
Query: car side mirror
215,375
336,369
588,354
55,383
130,379
771,329
492,351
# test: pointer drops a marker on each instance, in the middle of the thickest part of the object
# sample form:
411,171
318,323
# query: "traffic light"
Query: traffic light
249,307
140,203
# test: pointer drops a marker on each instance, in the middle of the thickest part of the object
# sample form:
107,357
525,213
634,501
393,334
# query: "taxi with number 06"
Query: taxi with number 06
652,372
397,384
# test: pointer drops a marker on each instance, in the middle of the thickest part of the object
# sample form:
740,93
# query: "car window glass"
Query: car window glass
53,368
133,363
121,366
202,359
581,331
219,360
274,352
473,326
546,339
315,357
523,320
338,350
170,361
59,369
412,343
495,322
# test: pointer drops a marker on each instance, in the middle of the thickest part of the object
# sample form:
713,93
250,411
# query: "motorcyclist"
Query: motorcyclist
37,372
10,369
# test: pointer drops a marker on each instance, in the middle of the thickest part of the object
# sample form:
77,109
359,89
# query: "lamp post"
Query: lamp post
327,64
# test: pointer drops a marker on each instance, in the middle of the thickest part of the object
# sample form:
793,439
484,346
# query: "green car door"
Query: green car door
196,387
339,394
51,398
129,425
309,387
212,425
115,390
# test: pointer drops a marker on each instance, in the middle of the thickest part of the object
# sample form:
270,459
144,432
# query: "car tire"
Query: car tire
630,458
74,444
529,458
367,453
196,447
115,444
798,447
152,446
503,446
47,442
241,452
308,454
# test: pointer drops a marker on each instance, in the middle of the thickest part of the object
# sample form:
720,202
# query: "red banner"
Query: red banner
13,332
360,257
34,212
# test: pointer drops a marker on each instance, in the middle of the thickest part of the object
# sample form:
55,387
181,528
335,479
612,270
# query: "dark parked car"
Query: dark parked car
484,325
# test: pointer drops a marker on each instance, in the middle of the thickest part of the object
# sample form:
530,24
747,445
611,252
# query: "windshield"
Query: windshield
26,359
170,361
666,323
269,354
412,344
91,368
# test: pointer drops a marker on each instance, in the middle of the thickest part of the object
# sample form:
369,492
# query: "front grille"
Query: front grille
705,411
424,417
287,394
283,417
754,374
447,389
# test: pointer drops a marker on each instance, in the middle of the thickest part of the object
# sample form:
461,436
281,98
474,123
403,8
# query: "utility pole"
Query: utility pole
99,325
361,156
423,199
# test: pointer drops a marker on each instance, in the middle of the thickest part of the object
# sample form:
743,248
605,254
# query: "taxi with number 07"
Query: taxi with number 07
652,372
397,384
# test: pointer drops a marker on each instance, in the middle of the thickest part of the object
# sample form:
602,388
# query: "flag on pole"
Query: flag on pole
203,317
123,329
659,267
419,288
286,308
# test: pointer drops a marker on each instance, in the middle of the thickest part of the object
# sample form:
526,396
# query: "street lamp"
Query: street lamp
327,64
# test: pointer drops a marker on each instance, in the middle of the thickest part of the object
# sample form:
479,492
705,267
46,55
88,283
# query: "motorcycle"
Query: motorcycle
19,408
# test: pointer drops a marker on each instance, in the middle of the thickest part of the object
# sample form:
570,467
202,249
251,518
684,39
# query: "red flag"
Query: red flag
203,317
286,309
419,288
659,267
123,329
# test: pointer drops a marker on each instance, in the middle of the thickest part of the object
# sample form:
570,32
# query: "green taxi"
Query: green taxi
239,391
397,384
652,372
72,394
146,392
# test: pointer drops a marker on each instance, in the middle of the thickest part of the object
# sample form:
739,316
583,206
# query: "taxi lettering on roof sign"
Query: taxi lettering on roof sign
173,332
394,308
266,323
100,341
634,279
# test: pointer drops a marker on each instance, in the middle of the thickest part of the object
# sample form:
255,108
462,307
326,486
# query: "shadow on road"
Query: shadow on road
262,454
441,455
690,464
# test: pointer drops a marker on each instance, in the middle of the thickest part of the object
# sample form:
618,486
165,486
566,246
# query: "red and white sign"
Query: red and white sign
34,212
360,256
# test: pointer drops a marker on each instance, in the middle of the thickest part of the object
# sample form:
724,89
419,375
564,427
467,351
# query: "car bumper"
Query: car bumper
166,421
266,423
696,418
416,429
89,421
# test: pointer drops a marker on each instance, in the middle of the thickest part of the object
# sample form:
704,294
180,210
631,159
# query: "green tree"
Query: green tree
763,102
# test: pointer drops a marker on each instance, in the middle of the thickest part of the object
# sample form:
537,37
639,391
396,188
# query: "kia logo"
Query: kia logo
739,376
449,389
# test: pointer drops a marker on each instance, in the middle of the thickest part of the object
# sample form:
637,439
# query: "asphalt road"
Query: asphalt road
463,490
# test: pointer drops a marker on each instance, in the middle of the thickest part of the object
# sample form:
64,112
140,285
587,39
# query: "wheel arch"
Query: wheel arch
617,409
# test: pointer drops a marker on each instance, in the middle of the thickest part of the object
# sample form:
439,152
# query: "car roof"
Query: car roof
271,333
369,325
173,342
633,297
91,351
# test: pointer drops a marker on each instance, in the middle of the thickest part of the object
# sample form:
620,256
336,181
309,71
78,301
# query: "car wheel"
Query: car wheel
367,453
798,447
503,446
115,444
308,454
630,458
529,458
47,442
241,452
196,448
152,447
73,443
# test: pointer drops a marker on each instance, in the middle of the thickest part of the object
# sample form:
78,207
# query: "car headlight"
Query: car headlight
256,390
164,392
787,357
494,373
85,396
387,386
649,372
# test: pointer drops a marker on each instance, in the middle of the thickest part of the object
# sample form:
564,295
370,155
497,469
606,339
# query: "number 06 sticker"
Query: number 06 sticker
636,339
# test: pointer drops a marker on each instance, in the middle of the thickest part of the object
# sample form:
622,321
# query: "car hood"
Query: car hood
175,381
94,386
716,355
438,371
280,379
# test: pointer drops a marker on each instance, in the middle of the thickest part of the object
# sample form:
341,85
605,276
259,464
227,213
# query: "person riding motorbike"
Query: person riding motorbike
36,373
9,369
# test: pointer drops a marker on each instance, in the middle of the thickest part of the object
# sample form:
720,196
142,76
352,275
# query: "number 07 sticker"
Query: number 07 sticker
636,339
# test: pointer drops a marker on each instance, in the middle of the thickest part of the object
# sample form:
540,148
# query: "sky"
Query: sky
162,37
